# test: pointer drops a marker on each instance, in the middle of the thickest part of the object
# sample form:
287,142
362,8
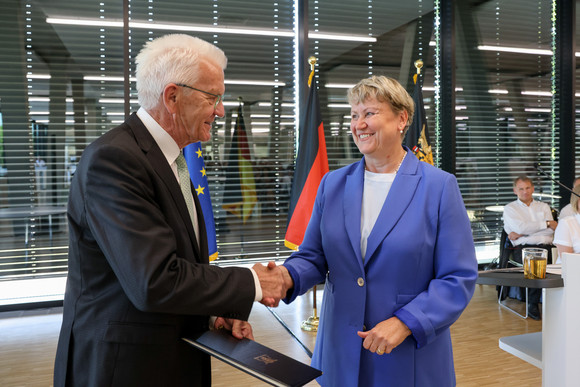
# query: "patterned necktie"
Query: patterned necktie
185,184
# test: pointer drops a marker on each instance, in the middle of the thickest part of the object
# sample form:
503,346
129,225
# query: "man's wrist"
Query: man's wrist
258,287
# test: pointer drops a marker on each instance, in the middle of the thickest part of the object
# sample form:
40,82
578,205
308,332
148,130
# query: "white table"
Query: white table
556,350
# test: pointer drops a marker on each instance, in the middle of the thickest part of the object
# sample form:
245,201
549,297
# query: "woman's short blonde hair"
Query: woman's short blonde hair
383,89
574,200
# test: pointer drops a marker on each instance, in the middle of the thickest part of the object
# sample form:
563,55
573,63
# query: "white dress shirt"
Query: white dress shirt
529,221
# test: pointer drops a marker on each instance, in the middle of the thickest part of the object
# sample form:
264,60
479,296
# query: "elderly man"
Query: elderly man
139,278
528,223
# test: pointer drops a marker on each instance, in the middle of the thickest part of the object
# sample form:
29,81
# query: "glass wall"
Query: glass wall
504,113
66,77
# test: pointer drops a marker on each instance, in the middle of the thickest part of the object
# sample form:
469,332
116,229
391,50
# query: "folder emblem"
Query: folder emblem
266,359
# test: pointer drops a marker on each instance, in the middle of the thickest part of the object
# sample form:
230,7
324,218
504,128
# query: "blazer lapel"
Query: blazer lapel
352,206
165,173
398,200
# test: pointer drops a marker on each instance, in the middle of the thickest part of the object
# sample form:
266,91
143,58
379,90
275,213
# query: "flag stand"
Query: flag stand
311,324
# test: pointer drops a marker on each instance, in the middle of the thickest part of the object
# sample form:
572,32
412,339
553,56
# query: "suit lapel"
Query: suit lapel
165,173
202,231
398,200
352,206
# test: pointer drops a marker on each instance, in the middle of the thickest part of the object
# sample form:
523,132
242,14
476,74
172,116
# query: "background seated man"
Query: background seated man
529,223
567,210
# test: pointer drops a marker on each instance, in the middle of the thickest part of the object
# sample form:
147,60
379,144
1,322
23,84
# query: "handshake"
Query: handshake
275,282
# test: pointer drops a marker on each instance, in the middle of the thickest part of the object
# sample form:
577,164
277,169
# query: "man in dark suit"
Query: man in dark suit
139,278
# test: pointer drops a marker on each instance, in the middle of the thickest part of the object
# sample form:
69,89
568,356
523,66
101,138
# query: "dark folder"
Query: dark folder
255,359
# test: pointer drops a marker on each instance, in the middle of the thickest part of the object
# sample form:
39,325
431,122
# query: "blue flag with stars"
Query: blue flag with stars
196,167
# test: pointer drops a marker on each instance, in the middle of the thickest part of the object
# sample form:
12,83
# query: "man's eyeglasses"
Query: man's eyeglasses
219,98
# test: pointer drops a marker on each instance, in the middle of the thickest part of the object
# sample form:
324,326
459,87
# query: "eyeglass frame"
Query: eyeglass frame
220,98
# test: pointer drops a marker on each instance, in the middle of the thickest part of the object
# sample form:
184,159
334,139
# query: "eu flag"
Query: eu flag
196,166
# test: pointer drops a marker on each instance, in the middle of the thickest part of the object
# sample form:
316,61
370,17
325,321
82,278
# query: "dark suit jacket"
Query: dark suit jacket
137,279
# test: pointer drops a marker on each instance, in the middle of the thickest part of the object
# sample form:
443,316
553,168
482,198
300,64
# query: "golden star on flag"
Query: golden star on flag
200,189
202,171
198,153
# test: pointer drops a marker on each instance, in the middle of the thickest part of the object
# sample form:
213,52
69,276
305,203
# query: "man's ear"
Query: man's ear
170,96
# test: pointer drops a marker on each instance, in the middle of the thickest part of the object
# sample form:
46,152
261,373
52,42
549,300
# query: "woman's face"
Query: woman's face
376,128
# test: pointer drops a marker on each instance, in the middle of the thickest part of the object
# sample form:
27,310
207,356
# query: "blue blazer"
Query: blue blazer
420,266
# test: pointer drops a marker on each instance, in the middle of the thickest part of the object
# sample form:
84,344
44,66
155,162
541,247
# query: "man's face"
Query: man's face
524,191
198,110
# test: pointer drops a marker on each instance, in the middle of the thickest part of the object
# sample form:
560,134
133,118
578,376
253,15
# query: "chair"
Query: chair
506,259
506,254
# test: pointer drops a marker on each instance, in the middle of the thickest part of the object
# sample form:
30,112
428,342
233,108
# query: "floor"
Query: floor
28,343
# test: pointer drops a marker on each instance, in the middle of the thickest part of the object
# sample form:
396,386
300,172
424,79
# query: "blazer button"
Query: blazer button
360,281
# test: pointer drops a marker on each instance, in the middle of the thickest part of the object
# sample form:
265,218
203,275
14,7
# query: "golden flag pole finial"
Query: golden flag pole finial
312,62
418,65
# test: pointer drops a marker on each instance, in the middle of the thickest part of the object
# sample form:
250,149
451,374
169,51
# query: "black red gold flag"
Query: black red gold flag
311,165
240,187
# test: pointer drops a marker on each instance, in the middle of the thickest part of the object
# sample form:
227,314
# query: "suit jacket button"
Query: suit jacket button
360,281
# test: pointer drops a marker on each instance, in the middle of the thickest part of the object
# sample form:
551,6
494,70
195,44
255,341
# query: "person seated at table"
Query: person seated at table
529,223
567,235
567,210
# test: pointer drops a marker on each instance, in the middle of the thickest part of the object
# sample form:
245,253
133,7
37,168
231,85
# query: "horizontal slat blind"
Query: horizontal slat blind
504,112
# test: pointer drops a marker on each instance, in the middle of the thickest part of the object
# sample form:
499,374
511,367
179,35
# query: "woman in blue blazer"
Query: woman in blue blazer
390,237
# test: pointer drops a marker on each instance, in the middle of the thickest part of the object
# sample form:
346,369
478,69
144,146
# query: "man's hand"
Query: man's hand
272,282
239,328
512,236
385,336
552,224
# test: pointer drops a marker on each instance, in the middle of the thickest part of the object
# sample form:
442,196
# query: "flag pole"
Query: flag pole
311,323
241,224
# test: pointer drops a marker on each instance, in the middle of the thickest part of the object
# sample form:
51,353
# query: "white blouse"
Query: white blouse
568,233
375,191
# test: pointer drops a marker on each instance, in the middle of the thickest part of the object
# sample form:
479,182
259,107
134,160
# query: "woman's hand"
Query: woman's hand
385,336
239,328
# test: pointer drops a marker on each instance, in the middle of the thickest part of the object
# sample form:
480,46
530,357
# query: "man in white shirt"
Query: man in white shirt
529,223
567,210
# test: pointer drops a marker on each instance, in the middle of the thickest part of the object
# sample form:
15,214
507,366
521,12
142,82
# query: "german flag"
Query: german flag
311,165
240,188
